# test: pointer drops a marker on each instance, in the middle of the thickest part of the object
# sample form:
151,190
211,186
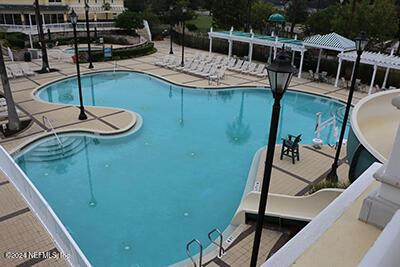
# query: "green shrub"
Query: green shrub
126,53
328,184
191,27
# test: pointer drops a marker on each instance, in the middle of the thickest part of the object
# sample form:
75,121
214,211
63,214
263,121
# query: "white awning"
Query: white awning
265,40
373,58
331,41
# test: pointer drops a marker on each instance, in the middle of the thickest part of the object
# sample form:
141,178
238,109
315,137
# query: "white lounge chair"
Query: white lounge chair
192,67
217,60
187,64
16,70
27,69
163,61
244,66
252,67
231,63
258,70
213,70
218,76
263,74
9,73
237,66
224,62
199,68
176,62
206,69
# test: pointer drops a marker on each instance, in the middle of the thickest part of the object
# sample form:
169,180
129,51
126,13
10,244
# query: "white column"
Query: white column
30,31
293,52
386,77
276,46
250,51
210,48
352,71
230,48
372,79
338,72
319,61
270,55
301,64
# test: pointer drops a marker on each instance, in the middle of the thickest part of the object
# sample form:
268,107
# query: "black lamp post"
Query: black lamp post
184,10
280,73
87,8
361,42
74,19
171,8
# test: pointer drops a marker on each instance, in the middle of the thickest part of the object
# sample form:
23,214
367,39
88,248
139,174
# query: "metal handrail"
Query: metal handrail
201,252
221,249
51,129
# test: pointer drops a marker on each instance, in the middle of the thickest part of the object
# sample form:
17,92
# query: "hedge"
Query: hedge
125,53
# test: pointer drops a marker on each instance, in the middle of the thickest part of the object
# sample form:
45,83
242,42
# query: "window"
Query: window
17,19
60,18
54,1
9,19
47,19
2,21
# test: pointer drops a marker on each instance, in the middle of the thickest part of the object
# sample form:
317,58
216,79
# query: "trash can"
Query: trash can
27,57
74,59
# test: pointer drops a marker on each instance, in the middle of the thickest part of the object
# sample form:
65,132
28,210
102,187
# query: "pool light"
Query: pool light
280,73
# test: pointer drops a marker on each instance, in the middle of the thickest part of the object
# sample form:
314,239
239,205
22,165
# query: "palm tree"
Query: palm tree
106,6
45,59
14,123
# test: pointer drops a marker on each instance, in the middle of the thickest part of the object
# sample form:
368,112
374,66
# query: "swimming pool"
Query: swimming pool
137,200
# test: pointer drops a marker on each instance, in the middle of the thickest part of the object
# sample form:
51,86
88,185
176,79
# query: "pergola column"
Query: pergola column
319,61
250,51
301,63
276,46
270,55
293,52
386,78
338,72
210,48
230,48
372,79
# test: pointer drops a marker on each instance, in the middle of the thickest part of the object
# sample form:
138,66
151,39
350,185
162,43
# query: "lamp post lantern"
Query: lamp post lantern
171,8
361,42
74,20
87,9
184,10
280,73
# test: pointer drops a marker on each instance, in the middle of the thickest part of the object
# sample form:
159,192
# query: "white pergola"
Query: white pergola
274,42
331,41
375,59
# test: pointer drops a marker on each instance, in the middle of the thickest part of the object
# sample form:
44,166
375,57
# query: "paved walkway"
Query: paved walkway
20,231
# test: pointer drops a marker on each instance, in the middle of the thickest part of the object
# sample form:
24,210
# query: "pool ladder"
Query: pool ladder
46,121
221,250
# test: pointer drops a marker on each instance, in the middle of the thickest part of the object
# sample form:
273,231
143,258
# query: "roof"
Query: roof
266,40
30,8
276,17
373,58
330,41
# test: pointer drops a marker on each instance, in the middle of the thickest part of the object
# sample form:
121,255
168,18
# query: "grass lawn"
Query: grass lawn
203,23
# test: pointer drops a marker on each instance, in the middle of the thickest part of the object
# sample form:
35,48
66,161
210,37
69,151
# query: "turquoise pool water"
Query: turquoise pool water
137,200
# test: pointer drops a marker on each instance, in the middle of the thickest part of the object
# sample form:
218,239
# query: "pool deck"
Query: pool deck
20,230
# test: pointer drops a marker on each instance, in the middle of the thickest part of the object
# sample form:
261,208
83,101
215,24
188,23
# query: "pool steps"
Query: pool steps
51,150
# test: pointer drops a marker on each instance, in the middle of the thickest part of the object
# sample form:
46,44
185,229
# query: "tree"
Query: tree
321,22
227,13
378,19
14,123
129,20
296,12
45,59
260,11
106,7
